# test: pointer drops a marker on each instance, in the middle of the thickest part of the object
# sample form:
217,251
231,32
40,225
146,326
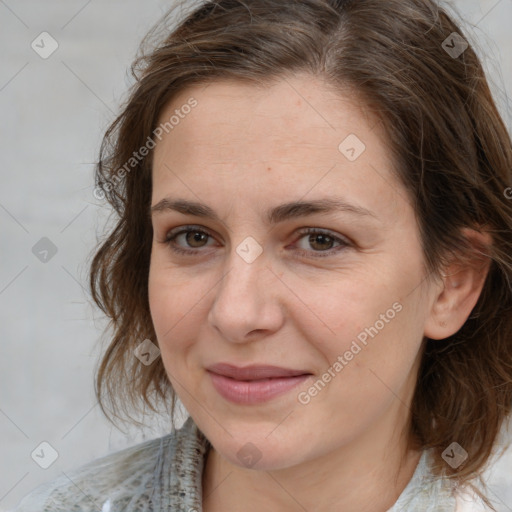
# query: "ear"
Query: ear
462,283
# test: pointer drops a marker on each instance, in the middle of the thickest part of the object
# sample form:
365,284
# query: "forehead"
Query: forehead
301,112
296,134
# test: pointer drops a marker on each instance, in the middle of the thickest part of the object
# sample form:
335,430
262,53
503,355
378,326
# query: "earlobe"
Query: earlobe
462,284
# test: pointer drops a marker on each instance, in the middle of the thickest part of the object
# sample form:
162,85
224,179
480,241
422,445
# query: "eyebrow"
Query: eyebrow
275,215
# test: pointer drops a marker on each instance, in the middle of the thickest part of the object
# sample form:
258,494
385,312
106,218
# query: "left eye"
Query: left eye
321,239
197,238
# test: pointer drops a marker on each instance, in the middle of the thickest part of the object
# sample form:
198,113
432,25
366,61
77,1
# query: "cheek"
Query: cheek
170,304
378,359
341,312
179,305
375,330
166,312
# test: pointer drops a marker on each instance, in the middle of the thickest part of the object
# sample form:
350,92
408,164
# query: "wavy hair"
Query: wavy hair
452,153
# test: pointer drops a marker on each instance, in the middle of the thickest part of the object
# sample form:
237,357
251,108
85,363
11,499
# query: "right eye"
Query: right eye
190,235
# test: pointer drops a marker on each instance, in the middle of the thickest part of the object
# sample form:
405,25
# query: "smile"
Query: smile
249,392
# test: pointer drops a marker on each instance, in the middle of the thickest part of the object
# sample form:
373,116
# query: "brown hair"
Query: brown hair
452,152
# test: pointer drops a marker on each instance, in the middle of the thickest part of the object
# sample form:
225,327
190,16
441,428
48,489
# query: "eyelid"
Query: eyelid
175,232
185,229
344,241
322,231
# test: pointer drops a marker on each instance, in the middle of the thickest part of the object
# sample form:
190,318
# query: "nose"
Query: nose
247,304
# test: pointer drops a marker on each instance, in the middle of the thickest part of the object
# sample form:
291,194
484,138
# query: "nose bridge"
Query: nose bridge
246,267
244,301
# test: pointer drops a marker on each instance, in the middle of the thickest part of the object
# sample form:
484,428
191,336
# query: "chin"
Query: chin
257,450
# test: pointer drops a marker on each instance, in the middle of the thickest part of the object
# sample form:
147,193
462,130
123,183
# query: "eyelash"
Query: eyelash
172,235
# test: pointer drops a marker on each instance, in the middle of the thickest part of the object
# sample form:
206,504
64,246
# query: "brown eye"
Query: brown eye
186,239
321,243
197,238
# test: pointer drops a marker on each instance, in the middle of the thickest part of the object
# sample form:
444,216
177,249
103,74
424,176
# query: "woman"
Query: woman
338,325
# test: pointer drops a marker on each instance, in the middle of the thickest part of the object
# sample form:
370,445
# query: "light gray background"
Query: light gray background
53,114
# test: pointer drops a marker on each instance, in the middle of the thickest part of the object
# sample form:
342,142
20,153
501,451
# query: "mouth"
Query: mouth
255,372
254,384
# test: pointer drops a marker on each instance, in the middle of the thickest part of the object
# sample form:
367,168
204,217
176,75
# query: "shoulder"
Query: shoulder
90,486
426,492
468,501
120,481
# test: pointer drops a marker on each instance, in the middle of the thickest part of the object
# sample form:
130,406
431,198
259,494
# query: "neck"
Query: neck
368,474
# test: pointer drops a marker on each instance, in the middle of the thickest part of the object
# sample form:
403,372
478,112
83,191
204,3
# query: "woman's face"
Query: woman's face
345,304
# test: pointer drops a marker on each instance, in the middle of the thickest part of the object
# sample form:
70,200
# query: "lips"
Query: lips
252,385
254,372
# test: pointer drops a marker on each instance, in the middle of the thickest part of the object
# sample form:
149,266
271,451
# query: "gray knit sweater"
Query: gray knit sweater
165,474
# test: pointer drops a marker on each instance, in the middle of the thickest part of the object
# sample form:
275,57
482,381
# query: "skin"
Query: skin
241,151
